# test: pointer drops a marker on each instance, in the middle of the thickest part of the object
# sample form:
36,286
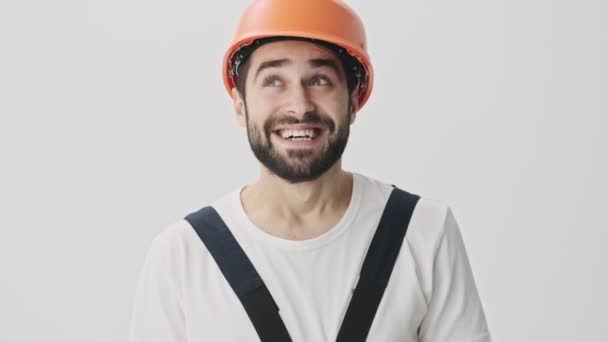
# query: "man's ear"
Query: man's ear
354,106
239,107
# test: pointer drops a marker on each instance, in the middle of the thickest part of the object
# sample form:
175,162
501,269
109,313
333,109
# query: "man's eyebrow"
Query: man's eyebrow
275,63
315,63
325,62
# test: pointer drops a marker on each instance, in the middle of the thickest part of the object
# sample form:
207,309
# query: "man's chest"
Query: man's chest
312,291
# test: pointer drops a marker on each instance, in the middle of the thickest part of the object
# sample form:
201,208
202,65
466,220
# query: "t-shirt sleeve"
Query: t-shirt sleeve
455,312
157,313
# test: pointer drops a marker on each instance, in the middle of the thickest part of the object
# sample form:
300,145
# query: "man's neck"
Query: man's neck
298,211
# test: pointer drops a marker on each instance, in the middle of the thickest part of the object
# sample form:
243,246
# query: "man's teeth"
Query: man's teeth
292,134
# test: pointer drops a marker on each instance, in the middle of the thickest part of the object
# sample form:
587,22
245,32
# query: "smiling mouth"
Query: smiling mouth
308,134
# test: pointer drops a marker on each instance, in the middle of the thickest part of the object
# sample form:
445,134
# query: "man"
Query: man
309,252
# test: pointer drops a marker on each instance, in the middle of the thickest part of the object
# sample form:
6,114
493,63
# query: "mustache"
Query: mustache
308,118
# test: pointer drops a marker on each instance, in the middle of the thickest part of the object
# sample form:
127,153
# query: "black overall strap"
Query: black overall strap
255,297
240,274
378,266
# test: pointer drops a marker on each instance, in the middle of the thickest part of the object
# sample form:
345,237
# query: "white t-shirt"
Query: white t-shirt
431,296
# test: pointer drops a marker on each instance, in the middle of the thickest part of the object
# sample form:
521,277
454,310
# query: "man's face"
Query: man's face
297,109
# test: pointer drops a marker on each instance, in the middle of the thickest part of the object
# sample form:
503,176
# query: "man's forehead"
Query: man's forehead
293,50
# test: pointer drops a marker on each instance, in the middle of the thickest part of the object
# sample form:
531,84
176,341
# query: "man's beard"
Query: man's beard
299,165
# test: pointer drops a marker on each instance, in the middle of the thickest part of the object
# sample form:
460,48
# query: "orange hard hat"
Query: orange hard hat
331,21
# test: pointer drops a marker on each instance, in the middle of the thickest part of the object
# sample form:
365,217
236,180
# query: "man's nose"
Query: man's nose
300,100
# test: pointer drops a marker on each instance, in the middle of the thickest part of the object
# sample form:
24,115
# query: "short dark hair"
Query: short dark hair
355,73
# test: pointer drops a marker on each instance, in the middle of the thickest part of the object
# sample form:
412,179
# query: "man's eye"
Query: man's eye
271,81
320,80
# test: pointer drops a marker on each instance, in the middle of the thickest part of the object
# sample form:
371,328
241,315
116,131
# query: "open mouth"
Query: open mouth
308,134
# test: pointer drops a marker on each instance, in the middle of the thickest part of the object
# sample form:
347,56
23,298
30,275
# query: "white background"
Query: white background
114,123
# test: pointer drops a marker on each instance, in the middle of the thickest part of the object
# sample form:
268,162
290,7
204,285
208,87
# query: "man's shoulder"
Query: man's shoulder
172,238
430,213
180,234
428,205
